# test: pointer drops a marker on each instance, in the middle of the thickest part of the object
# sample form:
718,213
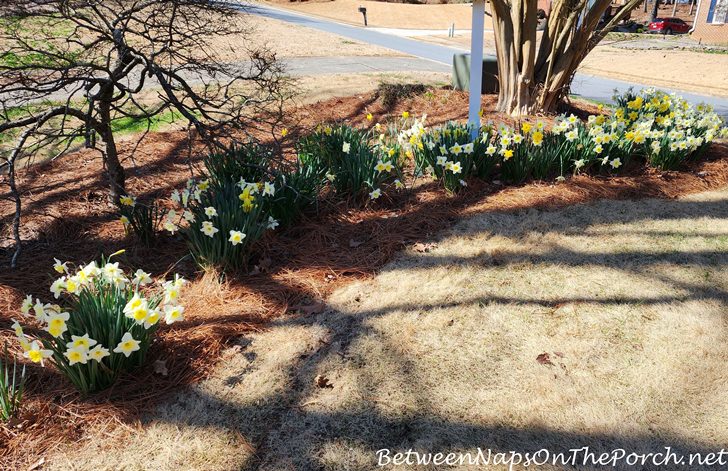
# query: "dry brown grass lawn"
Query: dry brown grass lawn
389,15
290,40
439,352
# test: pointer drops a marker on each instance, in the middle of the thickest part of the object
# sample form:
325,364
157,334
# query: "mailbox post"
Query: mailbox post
476,65
363,11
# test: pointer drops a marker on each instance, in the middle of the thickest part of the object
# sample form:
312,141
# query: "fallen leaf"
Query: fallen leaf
315,308
322,382
160,367
234,350
422,248
265,264
544,359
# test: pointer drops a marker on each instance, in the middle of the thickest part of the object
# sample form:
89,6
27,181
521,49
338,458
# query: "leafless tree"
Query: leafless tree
69,69
535,73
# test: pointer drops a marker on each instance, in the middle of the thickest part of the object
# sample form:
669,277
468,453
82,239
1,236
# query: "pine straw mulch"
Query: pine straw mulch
66,215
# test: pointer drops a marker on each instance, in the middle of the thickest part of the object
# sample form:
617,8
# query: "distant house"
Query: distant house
711,22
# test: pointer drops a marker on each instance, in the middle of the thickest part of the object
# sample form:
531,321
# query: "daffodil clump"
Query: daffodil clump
297,185
450,153
142,220
297,190
668,129
248,161
100,324
661,129
222,222
351,160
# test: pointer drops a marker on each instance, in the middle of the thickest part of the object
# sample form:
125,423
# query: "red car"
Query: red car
668,26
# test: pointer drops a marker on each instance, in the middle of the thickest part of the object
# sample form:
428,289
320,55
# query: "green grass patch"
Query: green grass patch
132,125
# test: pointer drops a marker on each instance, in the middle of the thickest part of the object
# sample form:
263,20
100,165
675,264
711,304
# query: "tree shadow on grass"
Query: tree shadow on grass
291,427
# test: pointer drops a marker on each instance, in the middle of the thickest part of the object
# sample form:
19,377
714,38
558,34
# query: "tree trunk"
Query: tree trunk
114,169
530,82
515,31
655,8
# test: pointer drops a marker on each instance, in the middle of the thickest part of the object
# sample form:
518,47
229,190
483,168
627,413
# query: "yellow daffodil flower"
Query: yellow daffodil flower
152,318
208,229
57,324
236,237
83,342
135,302
27,305
98,353
72,285
36,354
60,267
537,138
17,328
127,345
76,355
173,314
141,278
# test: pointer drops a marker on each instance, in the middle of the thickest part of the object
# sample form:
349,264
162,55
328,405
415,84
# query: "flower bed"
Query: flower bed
245,193
104,326
660,129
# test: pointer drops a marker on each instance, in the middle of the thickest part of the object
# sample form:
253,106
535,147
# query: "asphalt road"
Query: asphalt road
586,86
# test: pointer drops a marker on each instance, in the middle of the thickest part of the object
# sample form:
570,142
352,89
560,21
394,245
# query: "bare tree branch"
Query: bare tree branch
72,68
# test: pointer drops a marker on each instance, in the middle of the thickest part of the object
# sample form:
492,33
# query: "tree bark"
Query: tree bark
530,82
655,8
114,169
515,29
